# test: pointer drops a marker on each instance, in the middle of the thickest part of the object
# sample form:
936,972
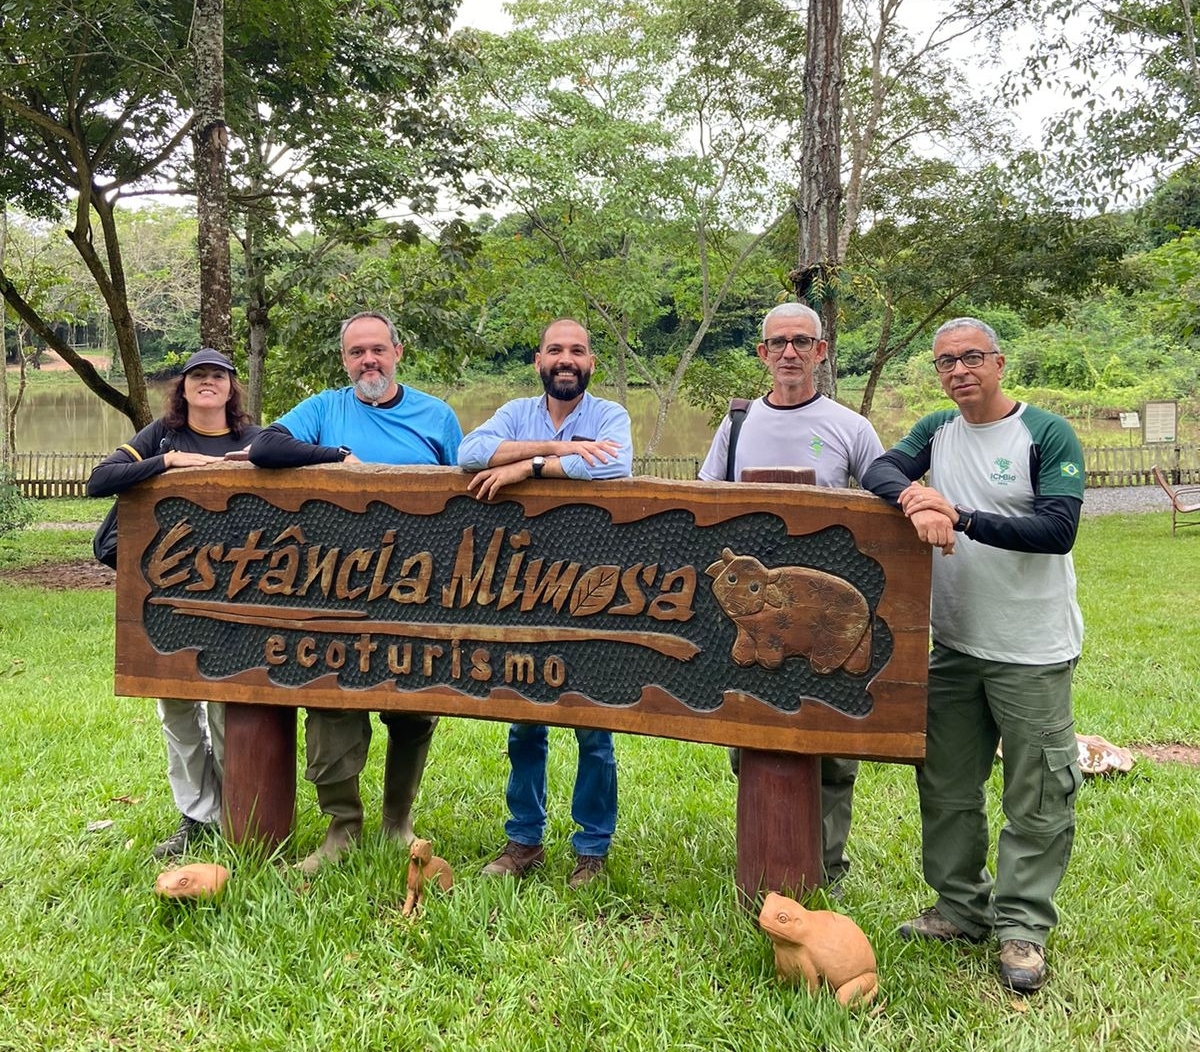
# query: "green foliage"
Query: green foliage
709,385
15,511
1129,69
1171,301
638,142
1173,208
1106,343
418,285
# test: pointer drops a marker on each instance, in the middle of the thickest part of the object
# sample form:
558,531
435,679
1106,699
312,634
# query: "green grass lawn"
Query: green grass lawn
657,956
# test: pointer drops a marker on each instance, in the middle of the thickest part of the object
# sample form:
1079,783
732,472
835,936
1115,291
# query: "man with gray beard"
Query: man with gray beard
374,421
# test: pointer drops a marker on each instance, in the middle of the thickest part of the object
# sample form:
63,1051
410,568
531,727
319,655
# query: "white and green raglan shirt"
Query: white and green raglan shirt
1008,591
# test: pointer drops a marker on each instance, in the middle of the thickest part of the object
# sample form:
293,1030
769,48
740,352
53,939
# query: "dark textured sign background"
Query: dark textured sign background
605,669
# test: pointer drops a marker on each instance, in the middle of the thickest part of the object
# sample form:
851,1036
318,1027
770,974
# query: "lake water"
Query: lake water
71,419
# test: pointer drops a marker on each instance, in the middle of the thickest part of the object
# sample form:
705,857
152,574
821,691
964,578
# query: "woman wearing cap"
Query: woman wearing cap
203,421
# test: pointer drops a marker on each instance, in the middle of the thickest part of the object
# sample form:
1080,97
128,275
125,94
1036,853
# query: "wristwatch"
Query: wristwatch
965,515
344,452
538,464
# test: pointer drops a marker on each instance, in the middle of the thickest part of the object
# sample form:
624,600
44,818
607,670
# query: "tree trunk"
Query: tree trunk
819,197
258,314
879,360
212,191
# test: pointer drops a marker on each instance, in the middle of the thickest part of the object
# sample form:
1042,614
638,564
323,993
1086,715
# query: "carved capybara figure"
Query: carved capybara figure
200,880
815,945
792,611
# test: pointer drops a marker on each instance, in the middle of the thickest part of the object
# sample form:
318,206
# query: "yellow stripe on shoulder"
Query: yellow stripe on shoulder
130,450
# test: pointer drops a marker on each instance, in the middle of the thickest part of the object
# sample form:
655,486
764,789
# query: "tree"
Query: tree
1132,73
339,130
1173,208
98,96
5,418
820,186
632,134
90,99
890,99
419,286
975,241
212,192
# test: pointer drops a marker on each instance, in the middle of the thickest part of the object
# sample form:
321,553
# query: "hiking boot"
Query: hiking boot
515,860
1022,965
587,868
177,843
929,924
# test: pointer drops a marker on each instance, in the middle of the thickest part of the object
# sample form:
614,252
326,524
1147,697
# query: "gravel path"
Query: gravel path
1112,500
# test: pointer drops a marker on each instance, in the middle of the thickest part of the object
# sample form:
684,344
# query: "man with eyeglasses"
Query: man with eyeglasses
1003,502
792,426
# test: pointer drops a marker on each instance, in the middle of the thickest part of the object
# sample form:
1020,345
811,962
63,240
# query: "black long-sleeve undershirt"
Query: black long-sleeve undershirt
275,447
1050,530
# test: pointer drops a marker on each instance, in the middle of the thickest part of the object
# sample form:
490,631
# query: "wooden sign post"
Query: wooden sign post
788,619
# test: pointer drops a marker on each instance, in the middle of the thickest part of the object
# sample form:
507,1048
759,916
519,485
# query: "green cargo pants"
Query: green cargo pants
973,704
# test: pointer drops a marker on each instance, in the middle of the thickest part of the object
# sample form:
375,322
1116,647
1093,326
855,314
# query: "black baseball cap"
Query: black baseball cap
208,356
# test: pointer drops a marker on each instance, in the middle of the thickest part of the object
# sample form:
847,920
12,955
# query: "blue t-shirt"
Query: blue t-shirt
419,429
528,420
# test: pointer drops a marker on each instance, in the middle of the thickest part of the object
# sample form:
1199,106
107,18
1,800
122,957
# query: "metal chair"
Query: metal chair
1185,500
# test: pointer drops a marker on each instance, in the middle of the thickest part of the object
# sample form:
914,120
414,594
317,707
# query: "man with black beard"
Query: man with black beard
375,420
565,433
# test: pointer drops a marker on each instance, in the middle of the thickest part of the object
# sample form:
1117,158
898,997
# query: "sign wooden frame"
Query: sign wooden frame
892,729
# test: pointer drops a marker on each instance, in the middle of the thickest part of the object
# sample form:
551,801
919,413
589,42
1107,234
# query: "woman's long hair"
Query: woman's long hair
175,412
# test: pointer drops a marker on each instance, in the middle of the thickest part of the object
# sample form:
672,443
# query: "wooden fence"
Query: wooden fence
54,474
65,474
1117,466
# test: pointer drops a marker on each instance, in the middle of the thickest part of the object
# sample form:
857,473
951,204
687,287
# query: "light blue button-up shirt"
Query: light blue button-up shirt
528,420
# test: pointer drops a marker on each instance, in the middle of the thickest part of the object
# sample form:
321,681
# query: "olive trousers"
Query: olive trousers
973,705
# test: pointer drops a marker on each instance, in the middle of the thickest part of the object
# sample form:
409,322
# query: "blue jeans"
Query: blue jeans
593,801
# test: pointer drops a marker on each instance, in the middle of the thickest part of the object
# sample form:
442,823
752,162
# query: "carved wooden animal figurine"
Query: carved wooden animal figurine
424,865
820,944
196,881
792,611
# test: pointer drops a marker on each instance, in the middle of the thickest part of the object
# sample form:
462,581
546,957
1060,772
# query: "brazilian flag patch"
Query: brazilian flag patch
1069,469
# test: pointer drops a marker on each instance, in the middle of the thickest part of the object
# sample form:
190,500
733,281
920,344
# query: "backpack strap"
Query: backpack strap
737,417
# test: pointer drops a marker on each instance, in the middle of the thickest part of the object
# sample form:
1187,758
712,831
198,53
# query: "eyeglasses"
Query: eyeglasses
800,344
945,363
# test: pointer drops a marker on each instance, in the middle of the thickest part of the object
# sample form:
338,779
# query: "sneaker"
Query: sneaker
929,924
515,860
1022,965
177,843
587,869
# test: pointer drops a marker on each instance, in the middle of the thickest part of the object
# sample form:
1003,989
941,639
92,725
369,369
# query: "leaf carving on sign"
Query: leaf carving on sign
595,590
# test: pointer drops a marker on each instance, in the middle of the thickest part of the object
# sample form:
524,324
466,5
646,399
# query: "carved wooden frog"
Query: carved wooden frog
819,944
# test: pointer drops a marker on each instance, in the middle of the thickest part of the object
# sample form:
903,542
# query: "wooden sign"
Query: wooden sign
774,617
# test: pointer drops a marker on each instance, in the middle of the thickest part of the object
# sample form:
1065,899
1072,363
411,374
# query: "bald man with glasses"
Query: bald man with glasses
794,426
1002,504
